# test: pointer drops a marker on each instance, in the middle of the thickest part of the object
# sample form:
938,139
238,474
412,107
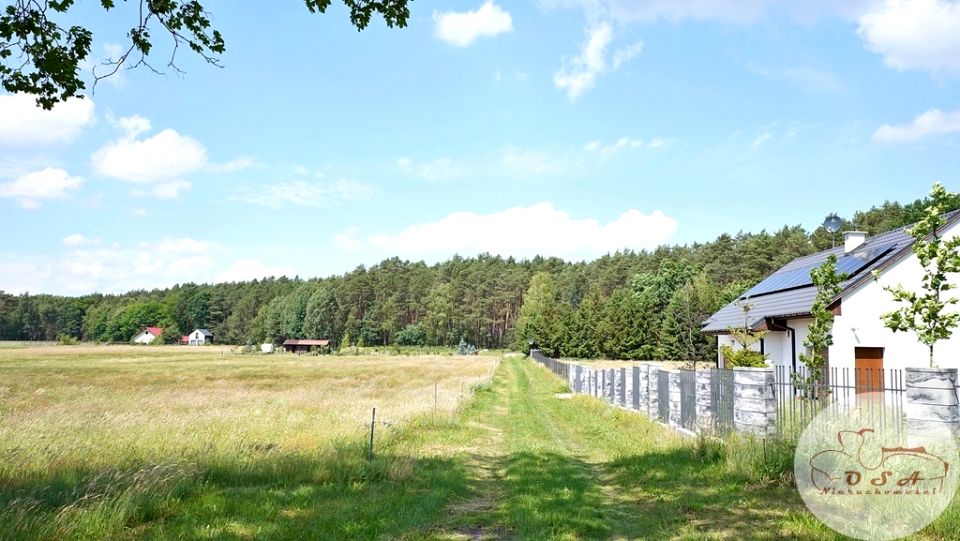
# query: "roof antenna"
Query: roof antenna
832,224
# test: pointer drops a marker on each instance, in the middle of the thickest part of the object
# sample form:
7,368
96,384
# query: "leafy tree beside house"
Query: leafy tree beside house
925,312
820,333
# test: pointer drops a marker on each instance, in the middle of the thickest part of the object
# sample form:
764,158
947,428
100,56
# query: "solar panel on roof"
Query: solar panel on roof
800,277
782,280
855,262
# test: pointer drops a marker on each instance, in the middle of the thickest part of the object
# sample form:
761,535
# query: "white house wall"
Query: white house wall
860,325
144,338
776,344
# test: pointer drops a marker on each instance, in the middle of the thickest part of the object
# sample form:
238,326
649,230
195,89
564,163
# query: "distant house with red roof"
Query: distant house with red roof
148,335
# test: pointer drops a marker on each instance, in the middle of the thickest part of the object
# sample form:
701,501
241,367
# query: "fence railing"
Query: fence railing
761,400
880,392
721,400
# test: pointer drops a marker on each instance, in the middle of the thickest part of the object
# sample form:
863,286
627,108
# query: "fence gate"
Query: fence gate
663,396
688,399
721,398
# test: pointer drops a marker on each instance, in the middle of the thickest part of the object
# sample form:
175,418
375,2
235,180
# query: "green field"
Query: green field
177,443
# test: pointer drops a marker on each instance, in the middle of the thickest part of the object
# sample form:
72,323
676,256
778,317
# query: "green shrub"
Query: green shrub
66,340
742,357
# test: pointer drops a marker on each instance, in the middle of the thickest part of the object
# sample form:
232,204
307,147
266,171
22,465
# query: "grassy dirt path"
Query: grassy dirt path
545,466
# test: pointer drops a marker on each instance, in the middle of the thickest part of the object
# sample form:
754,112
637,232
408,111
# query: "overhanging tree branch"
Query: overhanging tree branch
40,57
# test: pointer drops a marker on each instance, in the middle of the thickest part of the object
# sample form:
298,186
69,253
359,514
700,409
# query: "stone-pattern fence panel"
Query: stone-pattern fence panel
746,400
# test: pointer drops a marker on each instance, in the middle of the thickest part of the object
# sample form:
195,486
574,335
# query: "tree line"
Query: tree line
646,304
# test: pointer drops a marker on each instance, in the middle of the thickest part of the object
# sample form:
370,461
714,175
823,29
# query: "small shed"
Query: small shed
201,337
303,346
266,348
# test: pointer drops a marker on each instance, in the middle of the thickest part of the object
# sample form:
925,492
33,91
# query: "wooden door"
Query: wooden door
869,369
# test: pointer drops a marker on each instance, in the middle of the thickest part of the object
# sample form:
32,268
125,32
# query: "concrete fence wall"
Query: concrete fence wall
931,400
932,408
653,395
754,401
704,399
674,393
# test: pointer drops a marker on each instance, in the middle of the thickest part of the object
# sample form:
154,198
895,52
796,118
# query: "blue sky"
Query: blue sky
561,127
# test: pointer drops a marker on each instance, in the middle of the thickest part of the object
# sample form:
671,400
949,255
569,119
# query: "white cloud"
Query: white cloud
524,232
171,189
161,158
22,274
659,142
31,189
932,122
723,11
914,34
580,73
437,170
86,266
461,28
184,245
622,143
348,240
78,240
528,162
730,11
304,193
809,79
624,54
251,269
117,268
238,164
132,126
25,124
761,139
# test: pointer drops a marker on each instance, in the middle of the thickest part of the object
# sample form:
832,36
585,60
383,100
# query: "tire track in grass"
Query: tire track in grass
530,481
657,487
550,468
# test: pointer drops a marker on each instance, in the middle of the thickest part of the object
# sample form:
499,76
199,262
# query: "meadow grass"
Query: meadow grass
171,443
110,442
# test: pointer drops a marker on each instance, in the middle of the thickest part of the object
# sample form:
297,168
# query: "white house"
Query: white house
148,335
781,305
200,337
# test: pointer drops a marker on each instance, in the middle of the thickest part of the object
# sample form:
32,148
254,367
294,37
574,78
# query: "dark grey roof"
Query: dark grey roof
782,295
204,332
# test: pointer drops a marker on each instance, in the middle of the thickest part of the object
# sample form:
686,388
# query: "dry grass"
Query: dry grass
97,433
